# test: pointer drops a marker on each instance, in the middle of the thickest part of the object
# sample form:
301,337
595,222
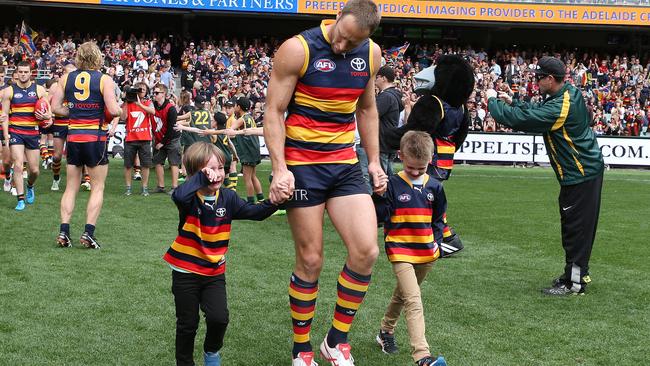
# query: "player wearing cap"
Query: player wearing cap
572,148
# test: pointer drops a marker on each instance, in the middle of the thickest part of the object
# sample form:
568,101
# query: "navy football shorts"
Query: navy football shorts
29,141
316,183
90,154
58,132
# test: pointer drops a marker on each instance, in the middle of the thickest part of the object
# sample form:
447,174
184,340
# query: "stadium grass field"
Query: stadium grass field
483,307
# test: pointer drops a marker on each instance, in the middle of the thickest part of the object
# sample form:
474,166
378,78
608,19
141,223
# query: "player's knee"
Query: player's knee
364,255
311,263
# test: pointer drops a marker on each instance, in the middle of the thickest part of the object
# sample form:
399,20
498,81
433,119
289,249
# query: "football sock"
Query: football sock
21,197
43,150
351,288
233,178
250,199
56,168
65,228
90,229
302,299
260,196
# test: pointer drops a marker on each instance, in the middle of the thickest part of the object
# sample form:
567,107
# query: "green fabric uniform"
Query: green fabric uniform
200,119
248,147
563,119
222,143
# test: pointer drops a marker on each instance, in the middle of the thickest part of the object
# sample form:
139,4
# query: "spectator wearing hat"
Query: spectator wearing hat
572,148
248,149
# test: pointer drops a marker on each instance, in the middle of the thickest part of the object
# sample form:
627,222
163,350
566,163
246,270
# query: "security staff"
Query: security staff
563,119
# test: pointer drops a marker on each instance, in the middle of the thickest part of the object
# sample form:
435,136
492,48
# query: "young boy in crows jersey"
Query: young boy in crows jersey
412,204
197,256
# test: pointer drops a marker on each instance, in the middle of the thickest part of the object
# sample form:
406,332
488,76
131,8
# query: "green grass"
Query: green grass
483,307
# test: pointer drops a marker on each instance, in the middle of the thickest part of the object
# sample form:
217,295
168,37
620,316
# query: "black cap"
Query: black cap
551,66
229,103
199,99
244,103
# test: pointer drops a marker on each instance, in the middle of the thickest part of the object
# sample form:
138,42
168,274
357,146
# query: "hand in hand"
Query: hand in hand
282,187
378,177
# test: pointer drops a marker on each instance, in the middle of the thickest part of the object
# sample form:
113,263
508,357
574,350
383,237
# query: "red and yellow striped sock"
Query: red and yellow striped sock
352,287
302,298
43,150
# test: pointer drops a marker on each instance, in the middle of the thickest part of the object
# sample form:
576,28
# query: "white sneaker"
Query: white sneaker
304,359
85,186
25,174
7,186
13,191
55,185
337,356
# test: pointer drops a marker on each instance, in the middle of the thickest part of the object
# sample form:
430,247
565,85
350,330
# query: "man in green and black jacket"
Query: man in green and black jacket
563,119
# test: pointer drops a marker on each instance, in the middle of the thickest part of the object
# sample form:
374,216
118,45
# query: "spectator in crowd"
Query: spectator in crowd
389,106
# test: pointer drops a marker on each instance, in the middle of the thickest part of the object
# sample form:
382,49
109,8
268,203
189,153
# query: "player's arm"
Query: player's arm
233,150
290,62
237,124
184,117
368,125
57,99
6,104
110,101
125,114
243,210
113,127
439,209
42,93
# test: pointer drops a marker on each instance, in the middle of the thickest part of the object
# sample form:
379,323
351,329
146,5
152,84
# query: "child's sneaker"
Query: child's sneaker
211,359
428,361
30,195
13,191
145,192
128,191
304,359
89,242
387,342
7,185
20,206
337,356
63,240
55,185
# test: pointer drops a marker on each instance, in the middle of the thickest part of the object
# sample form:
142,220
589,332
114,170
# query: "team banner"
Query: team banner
520,148
495,11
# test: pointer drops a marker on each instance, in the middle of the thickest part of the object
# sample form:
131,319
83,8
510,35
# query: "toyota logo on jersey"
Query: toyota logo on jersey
358,64
324,65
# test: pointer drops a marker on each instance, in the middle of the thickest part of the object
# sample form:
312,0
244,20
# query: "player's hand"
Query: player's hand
43,116
49,123
282,186
505,97
378,178
3,117
210,174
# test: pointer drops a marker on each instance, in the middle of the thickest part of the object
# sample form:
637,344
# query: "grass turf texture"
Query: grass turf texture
483,307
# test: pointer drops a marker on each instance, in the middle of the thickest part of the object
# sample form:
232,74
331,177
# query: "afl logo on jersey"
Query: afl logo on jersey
18,95
324,65
404,197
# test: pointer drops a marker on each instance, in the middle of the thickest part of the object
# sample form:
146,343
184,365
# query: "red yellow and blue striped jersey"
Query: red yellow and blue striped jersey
444,138
321,115
409,212
204,227
59,120
21,114
83,93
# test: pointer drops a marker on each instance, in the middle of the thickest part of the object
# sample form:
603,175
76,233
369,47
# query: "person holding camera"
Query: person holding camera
137,112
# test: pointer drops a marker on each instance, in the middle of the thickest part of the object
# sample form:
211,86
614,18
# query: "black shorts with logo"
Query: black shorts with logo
90,154
316,183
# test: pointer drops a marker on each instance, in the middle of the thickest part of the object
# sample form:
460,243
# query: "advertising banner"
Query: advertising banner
522,148
492,11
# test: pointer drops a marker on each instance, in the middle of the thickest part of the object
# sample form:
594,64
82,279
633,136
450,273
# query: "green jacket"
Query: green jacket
563,119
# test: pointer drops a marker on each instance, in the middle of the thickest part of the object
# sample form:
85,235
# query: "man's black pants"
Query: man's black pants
579,210
191,292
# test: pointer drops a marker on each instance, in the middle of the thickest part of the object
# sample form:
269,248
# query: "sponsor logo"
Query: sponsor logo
430,196
358,64
299,195
301,323
566,208
324,65
350,312
404,197
31,94
221,212
18,95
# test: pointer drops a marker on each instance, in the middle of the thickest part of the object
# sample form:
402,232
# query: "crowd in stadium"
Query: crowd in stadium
616,87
